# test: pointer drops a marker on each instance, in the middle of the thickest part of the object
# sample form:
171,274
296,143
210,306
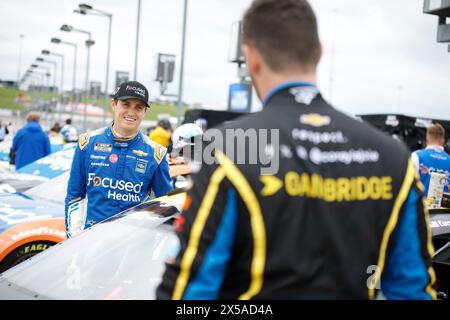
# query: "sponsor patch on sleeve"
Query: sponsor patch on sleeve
159,153
83,140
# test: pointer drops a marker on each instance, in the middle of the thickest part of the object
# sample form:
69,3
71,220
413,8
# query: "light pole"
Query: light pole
32,84
335,12
34,80
47,52
55,90
74,72
29,74
88,9
39,59
180,84
89,42
47,76
47,72
20,58
137,39
399,107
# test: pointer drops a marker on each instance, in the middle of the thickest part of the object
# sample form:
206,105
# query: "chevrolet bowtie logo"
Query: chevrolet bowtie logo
315,119
140,153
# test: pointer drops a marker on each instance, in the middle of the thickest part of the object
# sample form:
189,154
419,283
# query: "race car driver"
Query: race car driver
115,167
341,215
433,158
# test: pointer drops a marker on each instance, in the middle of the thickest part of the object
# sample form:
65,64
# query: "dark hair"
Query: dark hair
68,121
436,132
165,123
284,32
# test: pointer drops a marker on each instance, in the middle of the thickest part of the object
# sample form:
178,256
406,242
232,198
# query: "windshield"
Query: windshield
120,259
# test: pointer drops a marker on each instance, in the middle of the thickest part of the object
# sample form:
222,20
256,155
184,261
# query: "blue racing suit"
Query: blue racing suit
432,159
114,174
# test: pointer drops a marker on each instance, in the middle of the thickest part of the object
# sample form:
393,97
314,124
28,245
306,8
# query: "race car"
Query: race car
32,221
440,229
120,258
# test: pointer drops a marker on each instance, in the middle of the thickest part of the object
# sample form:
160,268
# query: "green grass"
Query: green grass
7,99
8,96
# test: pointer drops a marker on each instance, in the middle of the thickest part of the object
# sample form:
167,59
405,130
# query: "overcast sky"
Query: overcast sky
379,55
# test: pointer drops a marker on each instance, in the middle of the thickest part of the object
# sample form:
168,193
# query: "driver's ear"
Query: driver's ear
252,58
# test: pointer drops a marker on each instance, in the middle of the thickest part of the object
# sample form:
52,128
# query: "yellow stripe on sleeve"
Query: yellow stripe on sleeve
257,224
196,232
392,222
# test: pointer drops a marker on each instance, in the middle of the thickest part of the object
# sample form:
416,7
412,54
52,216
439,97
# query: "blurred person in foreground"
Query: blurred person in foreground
115,167
343,211
31,142
433,158
69,132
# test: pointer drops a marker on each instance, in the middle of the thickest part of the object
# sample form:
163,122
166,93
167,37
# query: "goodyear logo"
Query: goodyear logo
140,153
315,119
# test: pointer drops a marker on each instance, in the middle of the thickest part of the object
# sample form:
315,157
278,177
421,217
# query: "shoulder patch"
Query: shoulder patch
158,150
148,141
83,140
97,132
159,153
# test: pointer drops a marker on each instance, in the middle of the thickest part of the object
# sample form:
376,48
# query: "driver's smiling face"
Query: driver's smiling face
128,115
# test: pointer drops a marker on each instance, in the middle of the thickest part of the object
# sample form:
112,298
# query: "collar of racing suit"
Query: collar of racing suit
285,86
435,147
122,141
119,137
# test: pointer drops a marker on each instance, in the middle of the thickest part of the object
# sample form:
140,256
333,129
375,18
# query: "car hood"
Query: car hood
19,182
17,208
52,165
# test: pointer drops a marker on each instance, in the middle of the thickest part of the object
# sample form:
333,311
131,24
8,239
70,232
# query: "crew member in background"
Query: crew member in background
30,143
340,213
115,167
433,158
162,133
202,123
3,131
69,132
